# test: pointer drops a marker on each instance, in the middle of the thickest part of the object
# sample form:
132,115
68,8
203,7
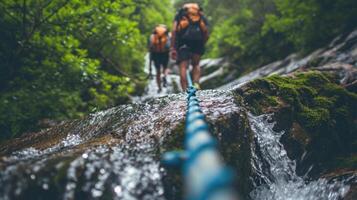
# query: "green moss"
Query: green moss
313,118
342,112
313,95
325,102
270,100
323,109
260,95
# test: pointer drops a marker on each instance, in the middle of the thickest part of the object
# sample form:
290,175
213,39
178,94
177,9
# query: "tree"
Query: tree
62,59
308,24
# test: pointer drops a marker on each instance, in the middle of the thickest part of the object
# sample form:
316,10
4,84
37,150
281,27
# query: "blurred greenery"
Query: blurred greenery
256,32
60,59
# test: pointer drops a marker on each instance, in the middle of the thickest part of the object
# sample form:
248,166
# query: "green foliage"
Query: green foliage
62,59
254,33
236,31
152,13
309,24
178,3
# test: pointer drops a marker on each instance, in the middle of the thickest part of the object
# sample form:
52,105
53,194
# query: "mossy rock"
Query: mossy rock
234,139
324,112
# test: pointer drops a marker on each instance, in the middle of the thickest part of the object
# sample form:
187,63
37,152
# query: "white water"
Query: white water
32,153
129,172
151,90
276,176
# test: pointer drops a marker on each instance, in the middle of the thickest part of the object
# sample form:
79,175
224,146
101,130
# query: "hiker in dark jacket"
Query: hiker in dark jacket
159,46
189,36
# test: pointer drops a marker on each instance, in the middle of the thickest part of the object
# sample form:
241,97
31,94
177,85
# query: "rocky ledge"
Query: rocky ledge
319,119
115,154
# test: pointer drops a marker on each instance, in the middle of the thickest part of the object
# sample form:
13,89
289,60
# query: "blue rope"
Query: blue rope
206,177
189,80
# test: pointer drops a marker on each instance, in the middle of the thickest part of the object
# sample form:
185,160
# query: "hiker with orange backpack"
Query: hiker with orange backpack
189,36
159,47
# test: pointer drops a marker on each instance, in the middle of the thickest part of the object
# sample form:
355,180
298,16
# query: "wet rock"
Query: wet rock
347,73
115,153
229,124
352,86
274,172
216,72
317,116
340,57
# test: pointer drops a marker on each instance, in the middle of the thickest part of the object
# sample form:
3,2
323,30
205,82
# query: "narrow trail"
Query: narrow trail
151,90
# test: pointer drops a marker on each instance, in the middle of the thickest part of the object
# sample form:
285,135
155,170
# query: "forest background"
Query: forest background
63,59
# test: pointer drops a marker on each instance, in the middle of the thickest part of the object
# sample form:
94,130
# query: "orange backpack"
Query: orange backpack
190,24
159,40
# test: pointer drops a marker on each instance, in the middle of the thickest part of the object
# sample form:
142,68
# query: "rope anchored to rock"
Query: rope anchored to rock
205,175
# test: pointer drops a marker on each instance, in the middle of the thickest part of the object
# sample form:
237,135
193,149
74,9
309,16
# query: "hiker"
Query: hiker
159,47
189,36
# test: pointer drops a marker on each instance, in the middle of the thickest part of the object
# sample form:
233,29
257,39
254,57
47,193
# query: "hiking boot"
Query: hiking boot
197,86
164,81
159,91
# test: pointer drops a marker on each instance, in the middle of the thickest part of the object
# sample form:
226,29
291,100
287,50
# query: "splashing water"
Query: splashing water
114,154
152,88
131,172
276,178
31,153
111,154
123,165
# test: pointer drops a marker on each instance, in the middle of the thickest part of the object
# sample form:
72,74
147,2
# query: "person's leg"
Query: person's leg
164,78
166,71
165,68
196,72
165,63
197,50
183,67
183,57
158,72
158,78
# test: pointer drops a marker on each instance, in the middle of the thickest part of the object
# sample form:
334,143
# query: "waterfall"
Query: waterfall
275,176
115,154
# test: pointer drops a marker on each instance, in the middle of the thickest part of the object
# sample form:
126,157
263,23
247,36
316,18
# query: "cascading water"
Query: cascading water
78,168
125,172
151,90
112,154
118,172
275,177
